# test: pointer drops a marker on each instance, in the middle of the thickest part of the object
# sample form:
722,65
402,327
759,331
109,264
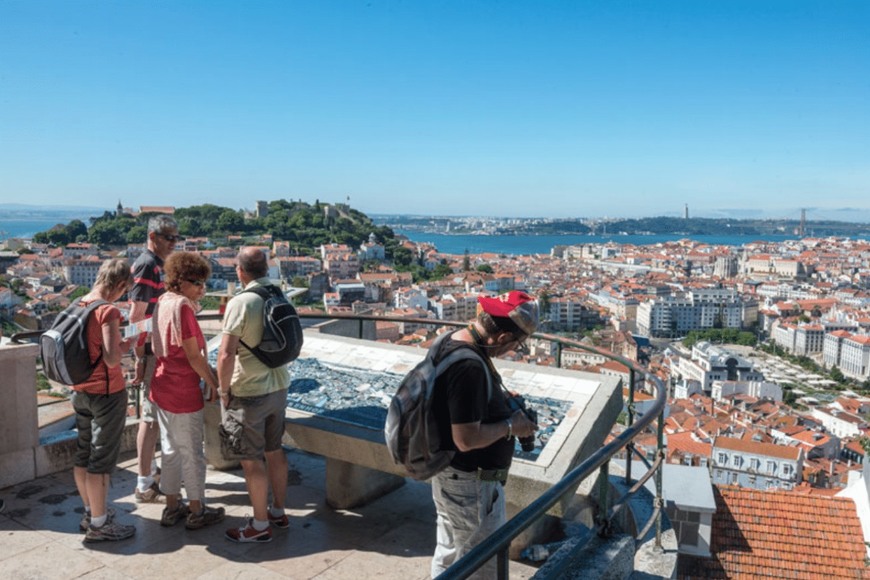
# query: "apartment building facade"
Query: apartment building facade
756,465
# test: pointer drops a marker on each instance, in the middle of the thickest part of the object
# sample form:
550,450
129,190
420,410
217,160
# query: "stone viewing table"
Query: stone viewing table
341,388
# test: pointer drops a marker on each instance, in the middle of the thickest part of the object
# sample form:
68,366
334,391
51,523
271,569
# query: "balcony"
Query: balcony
378,529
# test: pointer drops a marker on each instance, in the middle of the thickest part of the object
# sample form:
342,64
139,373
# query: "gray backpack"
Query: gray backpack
64,347
411,431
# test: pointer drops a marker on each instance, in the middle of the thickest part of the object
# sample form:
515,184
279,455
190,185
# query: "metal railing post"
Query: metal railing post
502,564
660,438
629,449
603,487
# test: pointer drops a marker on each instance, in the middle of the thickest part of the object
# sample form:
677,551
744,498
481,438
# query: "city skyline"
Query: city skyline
560,109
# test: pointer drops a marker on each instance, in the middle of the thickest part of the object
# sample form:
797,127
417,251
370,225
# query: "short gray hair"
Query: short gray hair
160,223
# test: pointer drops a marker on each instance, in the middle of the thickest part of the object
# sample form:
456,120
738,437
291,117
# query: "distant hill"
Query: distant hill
305,226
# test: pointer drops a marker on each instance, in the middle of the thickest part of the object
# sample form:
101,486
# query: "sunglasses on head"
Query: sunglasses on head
199,283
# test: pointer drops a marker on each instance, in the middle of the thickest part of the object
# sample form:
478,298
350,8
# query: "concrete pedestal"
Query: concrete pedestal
349,485
19,428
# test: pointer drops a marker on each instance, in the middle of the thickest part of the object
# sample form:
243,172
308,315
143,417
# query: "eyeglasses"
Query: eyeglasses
170,238
199,283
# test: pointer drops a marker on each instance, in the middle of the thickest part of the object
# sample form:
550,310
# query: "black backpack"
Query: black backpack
64,347
282,332
411,430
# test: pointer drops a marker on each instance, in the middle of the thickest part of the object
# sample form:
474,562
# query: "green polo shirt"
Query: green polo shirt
244,318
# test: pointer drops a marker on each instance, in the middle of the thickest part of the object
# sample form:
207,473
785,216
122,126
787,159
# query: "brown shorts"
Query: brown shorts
253,426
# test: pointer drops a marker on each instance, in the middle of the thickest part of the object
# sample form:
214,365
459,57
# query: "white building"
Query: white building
841,423
855,356
754,464
710,363
700,309
757,389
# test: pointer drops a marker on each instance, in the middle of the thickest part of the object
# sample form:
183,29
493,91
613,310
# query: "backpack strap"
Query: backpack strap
85,318
264,292
466,352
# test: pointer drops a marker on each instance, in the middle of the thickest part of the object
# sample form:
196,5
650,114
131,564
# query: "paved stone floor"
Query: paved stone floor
392,537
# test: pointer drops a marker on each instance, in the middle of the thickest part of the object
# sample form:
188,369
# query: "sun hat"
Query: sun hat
515,305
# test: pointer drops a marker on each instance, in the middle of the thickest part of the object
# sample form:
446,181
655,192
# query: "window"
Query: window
738,461
771,467
754,464
688,534
786,469
733,478
723,459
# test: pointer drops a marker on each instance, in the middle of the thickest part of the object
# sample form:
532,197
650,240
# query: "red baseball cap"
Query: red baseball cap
518,306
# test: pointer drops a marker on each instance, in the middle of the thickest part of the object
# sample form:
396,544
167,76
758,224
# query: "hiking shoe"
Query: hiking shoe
86,519
109,532
170,518
249,534
206,517
150,495
281,522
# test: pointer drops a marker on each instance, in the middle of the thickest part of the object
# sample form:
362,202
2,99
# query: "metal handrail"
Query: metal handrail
497,544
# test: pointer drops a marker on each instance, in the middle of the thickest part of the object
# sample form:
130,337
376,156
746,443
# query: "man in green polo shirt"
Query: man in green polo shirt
254,398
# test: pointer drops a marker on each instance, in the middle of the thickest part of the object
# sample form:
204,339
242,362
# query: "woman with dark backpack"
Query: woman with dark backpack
100,404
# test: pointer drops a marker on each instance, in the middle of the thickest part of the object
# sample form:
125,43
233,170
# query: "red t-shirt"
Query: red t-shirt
175,386
103,380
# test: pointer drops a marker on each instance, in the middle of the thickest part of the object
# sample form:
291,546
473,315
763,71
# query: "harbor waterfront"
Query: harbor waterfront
478,244
532,244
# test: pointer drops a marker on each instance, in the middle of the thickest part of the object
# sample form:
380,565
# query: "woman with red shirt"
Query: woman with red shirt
179,346
100,404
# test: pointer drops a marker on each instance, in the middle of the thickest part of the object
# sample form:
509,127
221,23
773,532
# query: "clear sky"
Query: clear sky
501,108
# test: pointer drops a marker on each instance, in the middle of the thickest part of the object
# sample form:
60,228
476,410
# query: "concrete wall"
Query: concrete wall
22,458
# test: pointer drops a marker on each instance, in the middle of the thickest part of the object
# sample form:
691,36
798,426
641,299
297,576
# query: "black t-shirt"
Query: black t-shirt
460,397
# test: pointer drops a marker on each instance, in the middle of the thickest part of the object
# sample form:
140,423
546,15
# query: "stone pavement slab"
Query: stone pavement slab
392,537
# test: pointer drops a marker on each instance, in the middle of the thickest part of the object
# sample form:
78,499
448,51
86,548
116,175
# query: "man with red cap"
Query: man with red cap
478,423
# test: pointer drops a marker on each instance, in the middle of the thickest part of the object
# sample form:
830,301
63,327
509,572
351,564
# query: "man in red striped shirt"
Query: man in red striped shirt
147,288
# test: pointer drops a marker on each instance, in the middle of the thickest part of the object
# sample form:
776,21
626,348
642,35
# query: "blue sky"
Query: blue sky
527,108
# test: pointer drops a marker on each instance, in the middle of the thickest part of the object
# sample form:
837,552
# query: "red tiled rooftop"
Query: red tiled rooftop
758,448
780,534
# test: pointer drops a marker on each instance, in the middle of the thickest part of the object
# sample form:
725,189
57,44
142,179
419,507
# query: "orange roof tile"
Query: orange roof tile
780,534
748,446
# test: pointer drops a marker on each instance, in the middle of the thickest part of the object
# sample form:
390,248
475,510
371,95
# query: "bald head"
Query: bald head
252,262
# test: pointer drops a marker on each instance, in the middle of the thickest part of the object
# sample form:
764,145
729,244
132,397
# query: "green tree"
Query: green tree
230,221
441,271
402,256
485,268
75,229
